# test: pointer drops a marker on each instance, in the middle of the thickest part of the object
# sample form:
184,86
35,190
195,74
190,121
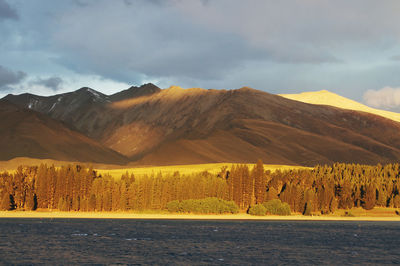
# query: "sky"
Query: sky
350,47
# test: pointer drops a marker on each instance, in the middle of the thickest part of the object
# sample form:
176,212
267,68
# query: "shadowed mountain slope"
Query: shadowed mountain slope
79,107
182,126
31,134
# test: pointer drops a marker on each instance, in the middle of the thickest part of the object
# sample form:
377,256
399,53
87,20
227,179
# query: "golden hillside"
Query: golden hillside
325,97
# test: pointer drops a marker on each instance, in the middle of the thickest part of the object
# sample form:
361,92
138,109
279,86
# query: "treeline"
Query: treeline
75,188
340,186
322,189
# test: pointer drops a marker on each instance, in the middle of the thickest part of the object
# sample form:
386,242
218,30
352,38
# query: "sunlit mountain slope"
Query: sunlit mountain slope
325,97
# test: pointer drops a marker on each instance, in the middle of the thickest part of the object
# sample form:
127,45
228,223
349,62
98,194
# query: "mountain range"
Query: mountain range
147,125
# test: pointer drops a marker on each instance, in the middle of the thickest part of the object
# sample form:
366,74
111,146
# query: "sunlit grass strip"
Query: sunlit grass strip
213,168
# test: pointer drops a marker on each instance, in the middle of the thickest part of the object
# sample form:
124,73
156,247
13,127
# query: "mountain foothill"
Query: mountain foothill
147,125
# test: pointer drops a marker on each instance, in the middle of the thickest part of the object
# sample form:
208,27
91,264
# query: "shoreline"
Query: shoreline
166,216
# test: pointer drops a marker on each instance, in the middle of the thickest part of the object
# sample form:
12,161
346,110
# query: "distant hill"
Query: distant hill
185,126
329,98
80,107
27,133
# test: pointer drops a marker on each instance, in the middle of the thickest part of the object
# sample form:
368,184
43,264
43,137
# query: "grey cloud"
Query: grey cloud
302,31
208,39
395,58
81,3
322,22
267,44
9,77
6,11
53,83
128,2
154,40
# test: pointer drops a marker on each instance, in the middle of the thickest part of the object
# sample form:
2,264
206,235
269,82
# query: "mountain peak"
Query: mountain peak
87,94
83,89
145,87
316,97
89,90
134,92
325,97
246,88
325,91
174,87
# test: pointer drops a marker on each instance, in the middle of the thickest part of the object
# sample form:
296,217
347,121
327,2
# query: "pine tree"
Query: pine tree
396,201
92,203
370,197
259,182
248,187
42,186
31,201
123,203
308,209
6,202
333,205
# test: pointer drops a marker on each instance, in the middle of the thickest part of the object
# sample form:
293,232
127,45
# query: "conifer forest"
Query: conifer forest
322,189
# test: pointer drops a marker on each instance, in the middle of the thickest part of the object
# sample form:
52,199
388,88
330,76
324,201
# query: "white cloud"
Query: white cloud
386,97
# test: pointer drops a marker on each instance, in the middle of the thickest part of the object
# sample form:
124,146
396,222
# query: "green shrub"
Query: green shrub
284,209
277,207
258,210
231,206
173,206
203,206
272,206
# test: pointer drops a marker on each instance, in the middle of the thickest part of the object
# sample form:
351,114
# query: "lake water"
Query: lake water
183,242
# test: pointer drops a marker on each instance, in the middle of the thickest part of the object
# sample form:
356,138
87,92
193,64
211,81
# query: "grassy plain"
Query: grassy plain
117,170
213,168
388,215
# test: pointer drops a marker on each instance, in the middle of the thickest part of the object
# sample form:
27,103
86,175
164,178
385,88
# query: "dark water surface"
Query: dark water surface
183,242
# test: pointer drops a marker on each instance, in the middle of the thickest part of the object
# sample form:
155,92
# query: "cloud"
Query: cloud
267,44
9,77
208,40
148,39
6,11
53,83
300,31
395,58
386,97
